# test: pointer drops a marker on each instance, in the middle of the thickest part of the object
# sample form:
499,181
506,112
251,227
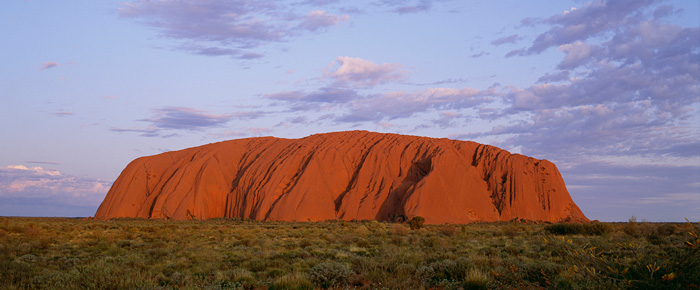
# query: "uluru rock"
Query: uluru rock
352,175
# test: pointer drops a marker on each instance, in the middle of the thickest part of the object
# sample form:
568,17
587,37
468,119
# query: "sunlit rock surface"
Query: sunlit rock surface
352,175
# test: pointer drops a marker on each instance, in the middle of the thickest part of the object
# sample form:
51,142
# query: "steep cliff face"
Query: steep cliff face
343,175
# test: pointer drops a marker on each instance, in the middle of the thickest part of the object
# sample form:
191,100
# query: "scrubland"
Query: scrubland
61,253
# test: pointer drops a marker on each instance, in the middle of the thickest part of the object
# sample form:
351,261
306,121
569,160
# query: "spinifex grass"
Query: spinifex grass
46,253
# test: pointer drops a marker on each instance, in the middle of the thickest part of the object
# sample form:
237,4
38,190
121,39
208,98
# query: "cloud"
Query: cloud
655,192
183,118
63,114
166,119
323,95
232,28
49,65
43,162
145,132
404,7
508,39
446,119
354,71
680,198
577,54
19,183
35,170
398,104
554,77
319,19
632,90
219,51
243,132
349,78
594,18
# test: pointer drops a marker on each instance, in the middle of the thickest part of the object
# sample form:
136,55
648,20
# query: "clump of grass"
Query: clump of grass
447,230
400,229
293,281
475,279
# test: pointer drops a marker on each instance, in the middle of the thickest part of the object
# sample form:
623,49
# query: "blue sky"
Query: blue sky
607,90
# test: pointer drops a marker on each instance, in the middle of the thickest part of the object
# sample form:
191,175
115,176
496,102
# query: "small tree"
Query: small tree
417,222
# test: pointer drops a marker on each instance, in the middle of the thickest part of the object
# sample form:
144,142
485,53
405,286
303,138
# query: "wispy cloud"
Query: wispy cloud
480,54
323,95
49,65
146,132
165,120
43,162
233,28
508,39
400,104
183,118
682,198
242,132
63,114
404,7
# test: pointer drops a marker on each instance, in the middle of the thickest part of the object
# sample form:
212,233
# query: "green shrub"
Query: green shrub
329,274
595,229
439,272
417,222
564,229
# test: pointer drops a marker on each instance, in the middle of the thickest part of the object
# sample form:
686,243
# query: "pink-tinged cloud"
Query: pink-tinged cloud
48,65
319,19
19,182
577,54
357,72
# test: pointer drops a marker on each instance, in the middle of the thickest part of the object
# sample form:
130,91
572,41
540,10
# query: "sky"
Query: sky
607,90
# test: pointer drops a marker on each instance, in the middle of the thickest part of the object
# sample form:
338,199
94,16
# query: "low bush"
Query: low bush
417,222
595,229
328,274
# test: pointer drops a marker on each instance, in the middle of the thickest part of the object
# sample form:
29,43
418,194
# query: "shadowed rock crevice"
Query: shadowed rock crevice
344,175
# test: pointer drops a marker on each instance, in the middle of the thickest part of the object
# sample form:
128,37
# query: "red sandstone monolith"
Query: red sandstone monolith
352,175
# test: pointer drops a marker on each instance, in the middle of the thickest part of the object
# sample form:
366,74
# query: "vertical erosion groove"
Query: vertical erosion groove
353,181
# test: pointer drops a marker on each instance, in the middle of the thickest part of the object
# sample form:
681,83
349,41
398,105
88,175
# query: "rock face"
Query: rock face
345,175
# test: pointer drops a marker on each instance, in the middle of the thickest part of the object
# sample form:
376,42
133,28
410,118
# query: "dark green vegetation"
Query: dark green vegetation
43,253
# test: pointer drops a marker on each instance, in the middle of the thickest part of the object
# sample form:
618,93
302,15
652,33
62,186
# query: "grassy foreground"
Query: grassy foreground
59,253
